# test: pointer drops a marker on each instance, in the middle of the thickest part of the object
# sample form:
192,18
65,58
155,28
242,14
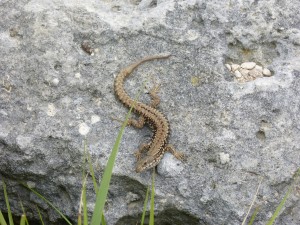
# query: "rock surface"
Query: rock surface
57,66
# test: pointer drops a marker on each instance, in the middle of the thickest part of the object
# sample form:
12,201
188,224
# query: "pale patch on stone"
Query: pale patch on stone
23,141
224,158
192,35
51,111
95,119
169,166
4,130
77,75
30,184
84,129
55,81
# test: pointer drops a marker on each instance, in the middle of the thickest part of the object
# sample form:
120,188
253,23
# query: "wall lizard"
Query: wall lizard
154,150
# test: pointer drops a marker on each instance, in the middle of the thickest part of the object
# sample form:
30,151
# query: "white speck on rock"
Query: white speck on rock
55,81
51,111
95,119
192,35
77,75
23,141
84,129
224,157
248,65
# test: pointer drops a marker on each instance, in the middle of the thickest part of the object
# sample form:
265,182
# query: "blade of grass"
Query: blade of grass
103,222
40,215
253,200
145,206
104,185
85,213
23,210
101,195
10,219
253,216
281,204
23,219
279,207
49,203
151,219
91,168
2,220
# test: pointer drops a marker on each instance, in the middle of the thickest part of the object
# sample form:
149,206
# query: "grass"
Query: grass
98,210
101,193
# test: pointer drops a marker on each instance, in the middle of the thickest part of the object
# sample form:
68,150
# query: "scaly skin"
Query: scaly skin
158,146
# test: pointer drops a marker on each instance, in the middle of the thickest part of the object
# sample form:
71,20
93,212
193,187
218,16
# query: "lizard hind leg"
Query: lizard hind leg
179,155
143,148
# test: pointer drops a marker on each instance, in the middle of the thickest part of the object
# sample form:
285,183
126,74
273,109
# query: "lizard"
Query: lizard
158,146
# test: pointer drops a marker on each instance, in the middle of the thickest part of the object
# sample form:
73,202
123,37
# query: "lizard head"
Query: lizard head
146,163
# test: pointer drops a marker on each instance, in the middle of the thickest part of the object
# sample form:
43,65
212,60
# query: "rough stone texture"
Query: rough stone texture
57,66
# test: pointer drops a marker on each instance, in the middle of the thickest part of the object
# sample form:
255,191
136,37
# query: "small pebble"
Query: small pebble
248,65
266,72
234,67
259,68
224,158
255,73
77,75
84,129
55,81
244,72
228,66
237,74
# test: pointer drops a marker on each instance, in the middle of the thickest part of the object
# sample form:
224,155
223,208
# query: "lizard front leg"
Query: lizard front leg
155,98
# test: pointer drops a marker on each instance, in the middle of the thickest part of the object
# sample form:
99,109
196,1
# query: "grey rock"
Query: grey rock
43,124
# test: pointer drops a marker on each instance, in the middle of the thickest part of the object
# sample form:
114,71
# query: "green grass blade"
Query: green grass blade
253,216
82,203
23,219
104,185
279,207
145,207
40,215
281,204
151,219
91,169
101,195
2,220
49,203
85,213
10,219
23,210
103,222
